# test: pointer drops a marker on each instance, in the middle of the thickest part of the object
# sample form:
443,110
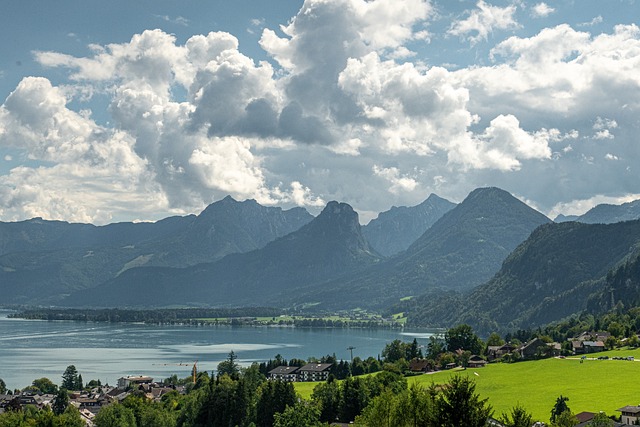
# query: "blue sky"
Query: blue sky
115,111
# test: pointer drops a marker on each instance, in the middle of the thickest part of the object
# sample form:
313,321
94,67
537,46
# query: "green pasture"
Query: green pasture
593,385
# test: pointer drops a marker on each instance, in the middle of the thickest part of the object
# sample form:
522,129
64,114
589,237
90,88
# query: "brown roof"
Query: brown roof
585,416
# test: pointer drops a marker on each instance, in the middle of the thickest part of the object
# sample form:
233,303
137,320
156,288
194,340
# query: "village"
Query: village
91,400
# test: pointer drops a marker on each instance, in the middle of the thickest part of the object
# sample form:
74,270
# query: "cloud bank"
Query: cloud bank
344,109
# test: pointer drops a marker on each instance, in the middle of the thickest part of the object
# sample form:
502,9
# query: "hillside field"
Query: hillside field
594,385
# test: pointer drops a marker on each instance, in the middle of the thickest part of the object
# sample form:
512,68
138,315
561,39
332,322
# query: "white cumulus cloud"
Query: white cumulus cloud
483,21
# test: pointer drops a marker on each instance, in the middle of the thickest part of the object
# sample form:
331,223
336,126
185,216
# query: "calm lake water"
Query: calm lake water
31,349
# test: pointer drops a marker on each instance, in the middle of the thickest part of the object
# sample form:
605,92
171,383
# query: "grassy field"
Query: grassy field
594,385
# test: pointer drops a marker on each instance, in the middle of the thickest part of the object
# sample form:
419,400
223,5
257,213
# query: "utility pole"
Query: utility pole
351,348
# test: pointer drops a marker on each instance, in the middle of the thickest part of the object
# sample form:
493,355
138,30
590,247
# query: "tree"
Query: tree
301,414
115,415
79,383
519,417
229,366
412,351
60,402
45,385
463,337
70,378
565,419
327,397
601,420
494,340
275,396
3,387
458,405
559,407
393,351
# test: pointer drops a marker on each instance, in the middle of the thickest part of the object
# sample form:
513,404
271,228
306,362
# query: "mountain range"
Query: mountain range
395,230
606,214
491,261
553,274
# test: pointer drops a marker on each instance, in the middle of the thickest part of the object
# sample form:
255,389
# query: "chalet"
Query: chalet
593,346
630,414
133,381
530,350
420,365
476,361
284,373
314,372
583,347
497,351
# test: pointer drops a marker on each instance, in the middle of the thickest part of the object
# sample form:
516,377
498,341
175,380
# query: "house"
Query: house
476,361
284,373
314,372
630,414
583,347
593,346
420,365
497,351
132,381
530,349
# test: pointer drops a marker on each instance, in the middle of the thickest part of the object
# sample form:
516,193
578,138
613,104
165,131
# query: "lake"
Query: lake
31,349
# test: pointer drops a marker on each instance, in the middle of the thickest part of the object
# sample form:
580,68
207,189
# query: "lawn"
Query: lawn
594,385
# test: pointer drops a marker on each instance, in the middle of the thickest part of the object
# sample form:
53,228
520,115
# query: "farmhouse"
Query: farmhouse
420,365
476,361
497,351
630,414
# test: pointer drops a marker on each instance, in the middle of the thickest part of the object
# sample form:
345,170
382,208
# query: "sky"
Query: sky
135,111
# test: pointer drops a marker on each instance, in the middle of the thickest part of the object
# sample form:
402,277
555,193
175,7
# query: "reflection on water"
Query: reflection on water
33,349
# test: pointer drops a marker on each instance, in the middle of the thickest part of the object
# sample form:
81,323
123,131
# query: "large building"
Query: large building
309,372
133,381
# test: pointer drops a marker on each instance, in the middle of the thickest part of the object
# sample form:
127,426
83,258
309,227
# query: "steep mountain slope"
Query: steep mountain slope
549,276
606,214
461,250
330,245
58,258
395,230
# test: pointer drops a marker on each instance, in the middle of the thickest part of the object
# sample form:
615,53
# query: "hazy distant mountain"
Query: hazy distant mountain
395,230
38,235
45,260
330,245
227,227
606,214
548,277
461,250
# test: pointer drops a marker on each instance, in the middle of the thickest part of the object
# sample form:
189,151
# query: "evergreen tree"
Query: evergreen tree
79,383
559,407
3,387
229,366
458,405
70,378
60,402
519,417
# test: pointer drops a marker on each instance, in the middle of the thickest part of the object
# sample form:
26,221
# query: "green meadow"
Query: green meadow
594,385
